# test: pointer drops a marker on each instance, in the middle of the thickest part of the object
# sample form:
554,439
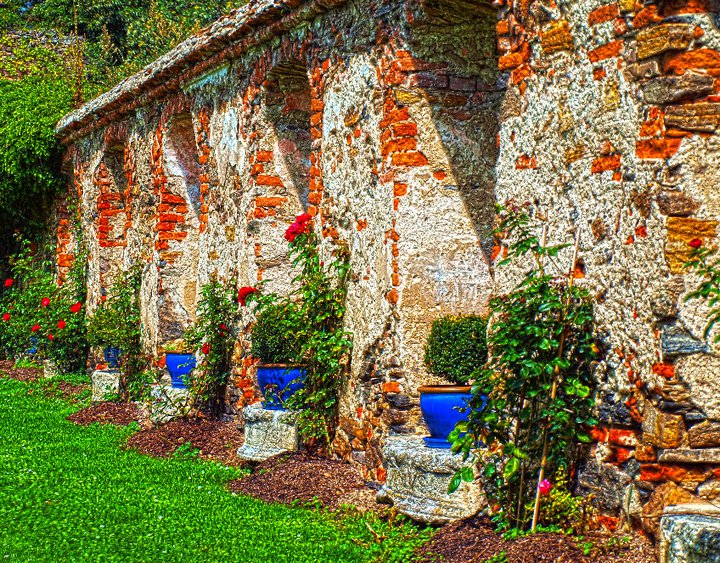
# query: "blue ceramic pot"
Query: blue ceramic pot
32,350
112,357
179,365
278,383
440,406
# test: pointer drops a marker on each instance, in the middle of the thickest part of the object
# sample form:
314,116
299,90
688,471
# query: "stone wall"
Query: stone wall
378,118
398,125
609,126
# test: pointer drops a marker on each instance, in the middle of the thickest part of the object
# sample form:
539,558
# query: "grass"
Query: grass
69,493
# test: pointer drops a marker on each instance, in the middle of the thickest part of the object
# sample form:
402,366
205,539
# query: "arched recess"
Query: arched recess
281,168
110,180
177,223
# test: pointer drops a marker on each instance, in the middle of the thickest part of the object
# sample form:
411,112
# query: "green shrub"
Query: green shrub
116,323
456,347
274,339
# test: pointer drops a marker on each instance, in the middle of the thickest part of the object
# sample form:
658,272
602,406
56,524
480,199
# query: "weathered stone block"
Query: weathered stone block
557,37
418,478
168,403
669,89
661,429
104,384
268,433
665,495
676,341
702,117
690,538
705,435
706,456
665,37
677,203
709,490
606,482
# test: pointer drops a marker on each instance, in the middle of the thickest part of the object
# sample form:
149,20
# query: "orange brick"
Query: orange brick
646,16
604,14
526,162
399,189
657,148
514,60
270,201
607,51
604,163
414,158
664,370
707,59
266,180
264,156
391,387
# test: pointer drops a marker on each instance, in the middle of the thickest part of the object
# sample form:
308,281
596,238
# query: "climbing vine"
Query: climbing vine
323,345
533,398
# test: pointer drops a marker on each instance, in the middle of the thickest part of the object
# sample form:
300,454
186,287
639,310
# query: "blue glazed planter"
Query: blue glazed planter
32,350
179,365
112,357
278,383
440,406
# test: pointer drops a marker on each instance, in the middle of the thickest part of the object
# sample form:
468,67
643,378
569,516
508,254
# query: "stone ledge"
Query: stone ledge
268,433
704,456
418,478
689,538
168,403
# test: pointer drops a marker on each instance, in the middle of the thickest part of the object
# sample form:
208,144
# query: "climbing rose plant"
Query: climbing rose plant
324,347
540,334
213,335
704,263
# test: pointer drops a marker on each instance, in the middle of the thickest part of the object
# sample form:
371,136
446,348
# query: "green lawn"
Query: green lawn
69,493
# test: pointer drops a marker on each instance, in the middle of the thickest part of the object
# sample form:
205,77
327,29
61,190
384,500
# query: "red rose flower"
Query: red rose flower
695,243
51,337
76,307
35,328
303,219
6,316
243,294
9,282
206,348
299,227
62,324
223,326
45,302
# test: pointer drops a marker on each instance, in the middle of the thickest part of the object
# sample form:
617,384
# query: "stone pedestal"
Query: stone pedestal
418,478
105,383
690,533
268,433
168,403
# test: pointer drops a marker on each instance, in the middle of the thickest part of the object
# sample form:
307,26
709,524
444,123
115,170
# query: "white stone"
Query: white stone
105,383
168,403
418,478
268,433
689,537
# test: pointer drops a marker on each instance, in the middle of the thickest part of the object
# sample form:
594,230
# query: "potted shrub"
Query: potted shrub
456,348
275,344
180,361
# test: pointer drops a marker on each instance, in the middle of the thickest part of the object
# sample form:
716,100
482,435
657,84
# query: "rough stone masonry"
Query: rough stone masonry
398,124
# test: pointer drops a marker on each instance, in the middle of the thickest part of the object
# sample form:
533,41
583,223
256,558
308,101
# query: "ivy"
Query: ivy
536,387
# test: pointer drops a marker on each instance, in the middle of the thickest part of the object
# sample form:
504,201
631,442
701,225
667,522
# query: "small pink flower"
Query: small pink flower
695,243
544,487
45,302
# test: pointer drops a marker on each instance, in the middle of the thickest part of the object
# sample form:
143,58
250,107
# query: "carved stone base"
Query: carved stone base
690,533
268,433
418,478
168,403
105,382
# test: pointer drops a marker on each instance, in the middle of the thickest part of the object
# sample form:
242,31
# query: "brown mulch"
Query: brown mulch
475,541
121,414
217,441
300,477
8,370
68,390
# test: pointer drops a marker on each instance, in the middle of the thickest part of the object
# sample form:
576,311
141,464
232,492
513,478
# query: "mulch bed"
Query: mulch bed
300,477
121,414
8,370
474,541
218,441
68,390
